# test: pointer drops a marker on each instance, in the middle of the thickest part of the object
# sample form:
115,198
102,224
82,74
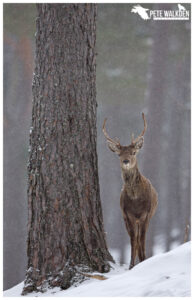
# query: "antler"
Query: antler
142,134
116,142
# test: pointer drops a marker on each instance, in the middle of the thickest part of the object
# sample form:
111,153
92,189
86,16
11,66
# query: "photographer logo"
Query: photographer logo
181,13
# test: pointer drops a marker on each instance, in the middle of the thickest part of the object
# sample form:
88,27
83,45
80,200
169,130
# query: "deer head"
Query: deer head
127,154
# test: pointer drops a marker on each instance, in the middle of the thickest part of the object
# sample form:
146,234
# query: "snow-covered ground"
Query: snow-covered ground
166,274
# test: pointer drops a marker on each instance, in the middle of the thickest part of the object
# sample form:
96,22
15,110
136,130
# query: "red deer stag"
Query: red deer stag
138,199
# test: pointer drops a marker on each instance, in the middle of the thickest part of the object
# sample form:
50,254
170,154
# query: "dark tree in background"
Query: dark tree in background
157,94
17,79
65,225
167,155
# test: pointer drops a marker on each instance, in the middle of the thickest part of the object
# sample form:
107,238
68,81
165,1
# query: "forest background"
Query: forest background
141,66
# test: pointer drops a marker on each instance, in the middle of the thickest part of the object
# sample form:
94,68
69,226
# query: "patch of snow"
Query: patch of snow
159,245
174,245
166,274
115,254
175,232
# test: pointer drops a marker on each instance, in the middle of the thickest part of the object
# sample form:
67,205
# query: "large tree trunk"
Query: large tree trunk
65,226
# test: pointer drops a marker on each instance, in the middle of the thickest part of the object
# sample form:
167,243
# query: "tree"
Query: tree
154,149
65,225
167,155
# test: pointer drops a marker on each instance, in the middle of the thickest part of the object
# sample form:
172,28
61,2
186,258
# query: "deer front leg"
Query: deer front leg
133,250
141,239
132,231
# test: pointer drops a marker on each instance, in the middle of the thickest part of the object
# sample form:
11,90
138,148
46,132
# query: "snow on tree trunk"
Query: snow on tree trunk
65,224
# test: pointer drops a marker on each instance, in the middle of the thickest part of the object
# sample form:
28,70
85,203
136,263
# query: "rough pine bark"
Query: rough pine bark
65,224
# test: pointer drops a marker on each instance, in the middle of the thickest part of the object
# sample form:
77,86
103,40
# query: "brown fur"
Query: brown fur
138,199
138,203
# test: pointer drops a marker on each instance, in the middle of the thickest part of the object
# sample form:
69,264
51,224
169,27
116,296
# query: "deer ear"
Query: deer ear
139,143
114,148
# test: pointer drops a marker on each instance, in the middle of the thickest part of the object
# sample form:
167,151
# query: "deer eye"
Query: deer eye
134,152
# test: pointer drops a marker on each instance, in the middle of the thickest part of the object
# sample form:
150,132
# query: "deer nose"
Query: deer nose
126,161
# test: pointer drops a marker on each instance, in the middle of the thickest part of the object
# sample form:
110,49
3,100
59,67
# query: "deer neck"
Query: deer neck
131,177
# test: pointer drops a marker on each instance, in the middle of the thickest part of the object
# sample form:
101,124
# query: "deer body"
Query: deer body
138,203
138,198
